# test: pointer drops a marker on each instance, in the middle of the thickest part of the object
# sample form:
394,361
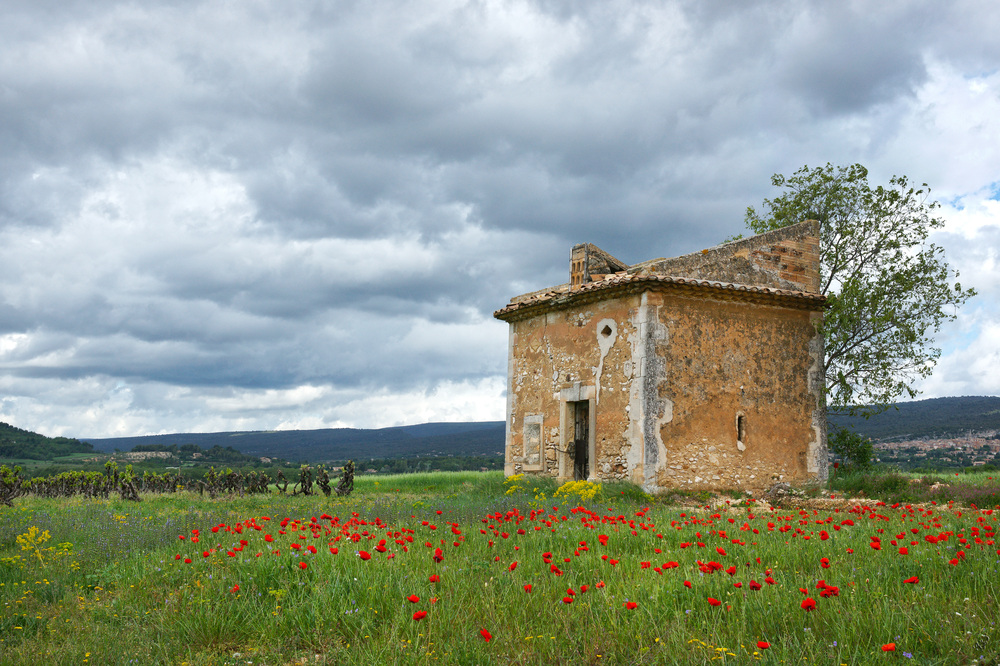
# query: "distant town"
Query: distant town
972,450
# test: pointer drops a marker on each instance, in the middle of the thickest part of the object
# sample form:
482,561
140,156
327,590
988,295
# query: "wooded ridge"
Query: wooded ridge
932,418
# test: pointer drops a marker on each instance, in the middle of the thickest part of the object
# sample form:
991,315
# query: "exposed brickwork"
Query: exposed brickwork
786,258
588,263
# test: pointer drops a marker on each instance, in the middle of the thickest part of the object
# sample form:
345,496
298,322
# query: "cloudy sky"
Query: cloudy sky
253,214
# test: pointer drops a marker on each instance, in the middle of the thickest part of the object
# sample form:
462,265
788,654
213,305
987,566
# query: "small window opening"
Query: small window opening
606,331
741,428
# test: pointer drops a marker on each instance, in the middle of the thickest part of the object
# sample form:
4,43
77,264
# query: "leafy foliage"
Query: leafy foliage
216,454
338,444
888,288
17,443
856,449
934,417
433,464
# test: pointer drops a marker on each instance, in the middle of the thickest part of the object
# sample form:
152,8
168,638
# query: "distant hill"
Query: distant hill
339,444
932,418
936,417
16,443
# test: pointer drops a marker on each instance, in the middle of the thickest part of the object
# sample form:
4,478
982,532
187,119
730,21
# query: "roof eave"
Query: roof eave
595,291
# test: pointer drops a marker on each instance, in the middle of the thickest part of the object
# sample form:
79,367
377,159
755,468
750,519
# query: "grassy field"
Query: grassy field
465,568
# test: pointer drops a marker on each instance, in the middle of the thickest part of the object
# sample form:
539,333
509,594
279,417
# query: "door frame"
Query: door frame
567,430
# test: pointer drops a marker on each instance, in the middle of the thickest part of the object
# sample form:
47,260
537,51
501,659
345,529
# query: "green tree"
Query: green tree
888,288
856,450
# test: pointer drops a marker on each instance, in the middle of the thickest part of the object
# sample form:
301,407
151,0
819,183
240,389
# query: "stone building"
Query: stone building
702,371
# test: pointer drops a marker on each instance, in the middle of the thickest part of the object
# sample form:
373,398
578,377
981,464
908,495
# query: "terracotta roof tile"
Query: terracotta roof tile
619,280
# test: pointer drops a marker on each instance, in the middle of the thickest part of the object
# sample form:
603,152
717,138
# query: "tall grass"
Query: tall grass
981,489
118,594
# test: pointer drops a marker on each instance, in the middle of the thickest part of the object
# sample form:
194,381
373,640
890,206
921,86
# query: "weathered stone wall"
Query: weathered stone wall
734,370
786,258
714,384
580,354
669,374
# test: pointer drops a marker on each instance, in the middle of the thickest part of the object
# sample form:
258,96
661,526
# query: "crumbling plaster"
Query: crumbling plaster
668,385
689,383
724,360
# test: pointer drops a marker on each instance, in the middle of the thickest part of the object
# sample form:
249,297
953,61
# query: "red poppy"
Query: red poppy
904,550
487,636
302,565
824,562
527,587
434,578
687,583
438,555
567,600
413,598
912,579
721,551
808,604
419,615
763,645
599,584
714,602
234,589
889,647
333,550
631,605
187,560
754,585
513,565
365,555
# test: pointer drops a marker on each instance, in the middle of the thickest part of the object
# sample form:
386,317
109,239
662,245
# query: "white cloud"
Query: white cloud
262,215
949,137
971,370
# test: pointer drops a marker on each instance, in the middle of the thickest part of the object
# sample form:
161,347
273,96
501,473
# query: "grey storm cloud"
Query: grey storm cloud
272,214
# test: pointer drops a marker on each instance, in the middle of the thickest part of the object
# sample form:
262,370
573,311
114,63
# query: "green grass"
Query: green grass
117,594
974,488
